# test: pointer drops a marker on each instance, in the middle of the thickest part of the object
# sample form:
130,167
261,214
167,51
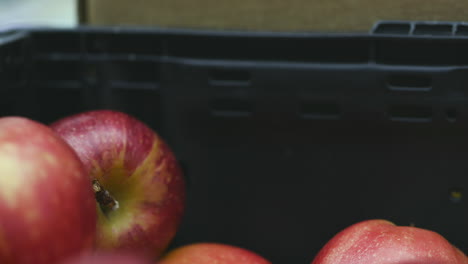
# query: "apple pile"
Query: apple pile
95,187
102,187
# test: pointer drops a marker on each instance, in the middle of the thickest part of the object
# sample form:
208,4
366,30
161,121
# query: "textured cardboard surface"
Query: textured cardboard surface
271,15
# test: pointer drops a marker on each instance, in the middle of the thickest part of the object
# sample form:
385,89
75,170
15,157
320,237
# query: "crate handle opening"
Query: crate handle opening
229,76
409,82
410,113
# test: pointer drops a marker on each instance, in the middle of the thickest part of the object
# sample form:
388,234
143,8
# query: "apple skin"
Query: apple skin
135,165
378,241
47,211
211,253
107,258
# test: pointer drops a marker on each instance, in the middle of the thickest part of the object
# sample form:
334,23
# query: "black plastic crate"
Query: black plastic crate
286,138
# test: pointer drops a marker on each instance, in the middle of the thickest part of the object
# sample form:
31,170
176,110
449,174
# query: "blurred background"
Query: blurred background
270,15
18,13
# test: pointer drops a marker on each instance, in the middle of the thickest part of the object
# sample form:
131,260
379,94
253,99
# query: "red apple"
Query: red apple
139,186
47,210
107,258
382,242
212,253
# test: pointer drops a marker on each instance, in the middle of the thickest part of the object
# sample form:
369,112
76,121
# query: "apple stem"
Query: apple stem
104,198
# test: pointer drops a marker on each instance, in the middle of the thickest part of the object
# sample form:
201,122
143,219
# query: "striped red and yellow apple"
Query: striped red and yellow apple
47,210
379,241
212,253
138,184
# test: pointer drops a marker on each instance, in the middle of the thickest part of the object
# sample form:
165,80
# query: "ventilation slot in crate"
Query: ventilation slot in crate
462,30
320,110
409,83
228,77
410,113
393,28
231,108
433,29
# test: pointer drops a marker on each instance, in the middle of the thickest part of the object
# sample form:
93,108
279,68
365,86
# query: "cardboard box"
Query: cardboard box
272,15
